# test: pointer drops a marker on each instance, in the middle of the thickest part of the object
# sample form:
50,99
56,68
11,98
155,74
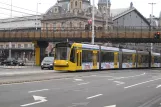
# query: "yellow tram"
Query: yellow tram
77,56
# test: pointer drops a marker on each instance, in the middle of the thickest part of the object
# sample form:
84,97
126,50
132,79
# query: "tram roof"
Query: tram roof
128,50
156,54
109,48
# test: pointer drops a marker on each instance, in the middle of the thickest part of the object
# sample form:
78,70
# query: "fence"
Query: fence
77,32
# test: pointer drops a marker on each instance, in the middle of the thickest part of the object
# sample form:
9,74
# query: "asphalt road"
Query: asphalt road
129,88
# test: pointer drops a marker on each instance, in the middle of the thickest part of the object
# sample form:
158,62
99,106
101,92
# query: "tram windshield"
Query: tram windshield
62,52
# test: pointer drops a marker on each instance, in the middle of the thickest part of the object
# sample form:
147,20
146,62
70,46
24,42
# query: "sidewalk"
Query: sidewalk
40,75
22,70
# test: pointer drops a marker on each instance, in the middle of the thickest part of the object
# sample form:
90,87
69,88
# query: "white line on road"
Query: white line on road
127,77
158,86
38,90
111,106
78,79
84,83
141,83
107,76
119,82
94,96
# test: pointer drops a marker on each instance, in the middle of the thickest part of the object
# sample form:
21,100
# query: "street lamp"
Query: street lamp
10,44
151,24
107,16
37,14
93,24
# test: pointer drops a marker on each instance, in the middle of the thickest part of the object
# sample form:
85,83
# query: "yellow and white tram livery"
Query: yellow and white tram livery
78,56
155,60
128,58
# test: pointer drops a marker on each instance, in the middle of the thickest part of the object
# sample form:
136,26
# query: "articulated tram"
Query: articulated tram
77,56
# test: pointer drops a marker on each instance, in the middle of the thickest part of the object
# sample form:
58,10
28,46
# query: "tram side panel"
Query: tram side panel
90,57
142,59
128,58
109,57
155,59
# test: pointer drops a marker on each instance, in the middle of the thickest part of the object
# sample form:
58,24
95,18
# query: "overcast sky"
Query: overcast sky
141,5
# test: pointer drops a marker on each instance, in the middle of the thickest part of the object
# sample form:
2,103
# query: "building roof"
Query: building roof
102,1
117,13
24,18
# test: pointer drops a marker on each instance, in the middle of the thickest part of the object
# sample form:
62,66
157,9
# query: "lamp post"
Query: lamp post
107,17
37,6
93,24
151,23
10,44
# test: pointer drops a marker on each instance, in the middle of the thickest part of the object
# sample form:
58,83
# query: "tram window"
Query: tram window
145,59
72,55
87,56
157,59
107,56
127,58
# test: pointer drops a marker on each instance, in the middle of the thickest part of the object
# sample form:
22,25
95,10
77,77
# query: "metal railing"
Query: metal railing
79,32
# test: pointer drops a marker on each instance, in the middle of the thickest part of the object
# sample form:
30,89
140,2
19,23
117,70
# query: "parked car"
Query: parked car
10,61
1,60
47,63
21,62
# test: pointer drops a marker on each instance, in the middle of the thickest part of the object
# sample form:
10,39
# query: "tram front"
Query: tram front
62,53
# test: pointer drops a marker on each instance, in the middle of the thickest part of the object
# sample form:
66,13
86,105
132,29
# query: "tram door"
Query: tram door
95,55
134,60
116,59
79,59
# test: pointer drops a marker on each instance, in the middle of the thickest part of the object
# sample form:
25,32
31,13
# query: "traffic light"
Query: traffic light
157,35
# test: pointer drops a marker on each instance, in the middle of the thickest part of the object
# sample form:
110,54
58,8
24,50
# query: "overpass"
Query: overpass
42,37
79,35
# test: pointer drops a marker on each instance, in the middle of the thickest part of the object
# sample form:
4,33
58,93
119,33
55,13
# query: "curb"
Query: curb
28,81
13,67
38,80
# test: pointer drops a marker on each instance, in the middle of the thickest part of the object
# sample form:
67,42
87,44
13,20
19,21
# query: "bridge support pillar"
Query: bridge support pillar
40,48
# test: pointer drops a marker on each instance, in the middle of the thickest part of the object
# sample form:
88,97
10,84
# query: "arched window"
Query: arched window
80,4
70,24
104,8
80,24
76,4
71,4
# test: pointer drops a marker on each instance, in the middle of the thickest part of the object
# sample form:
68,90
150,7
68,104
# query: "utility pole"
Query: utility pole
152,13
151,23
93,35
37,14
107,17
10,44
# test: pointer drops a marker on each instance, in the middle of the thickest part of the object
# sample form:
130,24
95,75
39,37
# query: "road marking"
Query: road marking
158,86
141,83
127,77
111,106
78,79
119,82
94,96
79,104
84,83
107,76
39,99
38,90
